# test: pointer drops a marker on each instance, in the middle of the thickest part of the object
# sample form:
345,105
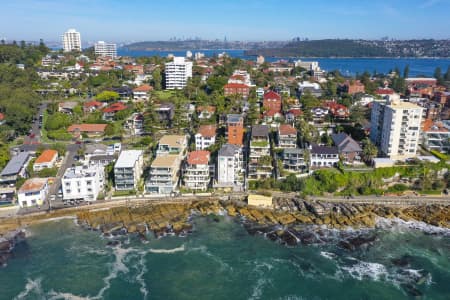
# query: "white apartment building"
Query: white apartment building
164,175
33,192
395,127
196,174
83,183
128,169
205,137
177,73
71,40
230,166
102,48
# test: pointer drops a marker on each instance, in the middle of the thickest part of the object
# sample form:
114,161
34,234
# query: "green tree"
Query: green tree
107,96
438,75
370,151
406,72
157,79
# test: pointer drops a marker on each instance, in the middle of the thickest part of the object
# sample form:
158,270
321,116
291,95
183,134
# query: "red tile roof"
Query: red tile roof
199,157
272,95
286,129
296,112
87,127
47,156
115,107
208,108
207,130
2,116
384,91
143,88
430,125
33,184
236,86
93,104
271,112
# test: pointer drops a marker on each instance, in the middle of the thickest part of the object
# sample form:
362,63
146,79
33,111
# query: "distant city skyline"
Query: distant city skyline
250,20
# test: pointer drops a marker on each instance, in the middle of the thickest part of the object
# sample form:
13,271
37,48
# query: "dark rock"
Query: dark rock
113,243
353,243
289,239
403,261
411,290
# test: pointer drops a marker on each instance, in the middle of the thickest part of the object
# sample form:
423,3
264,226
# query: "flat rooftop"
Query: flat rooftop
173,140
166,161
128,158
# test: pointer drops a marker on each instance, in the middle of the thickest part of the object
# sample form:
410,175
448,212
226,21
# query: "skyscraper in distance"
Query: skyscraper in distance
71,40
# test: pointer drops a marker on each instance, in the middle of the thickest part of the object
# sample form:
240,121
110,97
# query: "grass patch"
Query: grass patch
164,95
124,193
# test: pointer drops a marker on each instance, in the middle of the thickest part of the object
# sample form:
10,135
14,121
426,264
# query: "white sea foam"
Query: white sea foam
204,250
364,270
65,296
258,288
328,255
140,277
32,286
400,225
168,251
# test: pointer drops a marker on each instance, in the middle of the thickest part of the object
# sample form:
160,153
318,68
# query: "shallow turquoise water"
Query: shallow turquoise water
221,261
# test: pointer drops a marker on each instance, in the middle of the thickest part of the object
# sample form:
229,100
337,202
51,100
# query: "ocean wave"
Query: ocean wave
366,270
258,288
328,255
32,286
65,296
168,251
140,276
204,250
400,225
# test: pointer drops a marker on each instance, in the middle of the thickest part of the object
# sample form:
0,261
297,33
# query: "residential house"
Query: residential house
312,88
98,154
349,150
67,107
90,130
33,192
47,159
141,92
172,144
230,166
110,111
16,167
323,156
435,136
128,169
135,124
205,112
205,137
196,175
92,106
287,136
336,110
294,160
235,129
260,161
125,92
165,112
82,183
238,89
351,87
164,175
293,115
272,102
319,114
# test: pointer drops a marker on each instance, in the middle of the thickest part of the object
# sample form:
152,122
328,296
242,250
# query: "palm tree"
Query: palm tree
369,150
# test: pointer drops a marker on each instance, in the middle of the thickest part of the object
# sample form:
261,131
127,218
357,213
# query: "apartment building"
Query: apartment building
71,41
205,137
323,156
104,49
235,129
177,73
82,183
435,136
230,166
128,169
196,175
172,144
395,127
260,160
294,160
287,136
164,175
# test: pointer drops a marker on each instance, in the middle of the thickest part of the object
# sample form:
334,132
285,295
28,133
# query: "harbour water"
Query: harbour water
220,260
347,66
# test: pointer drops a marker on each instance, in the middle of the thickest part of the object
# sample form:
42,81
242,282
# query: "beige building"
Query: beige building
172,144
164,174
259,200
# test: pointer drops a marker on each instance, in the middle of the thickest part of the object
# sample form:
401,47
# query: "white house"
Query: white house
323,156
82,183
205,137
33,192
230,166
47,159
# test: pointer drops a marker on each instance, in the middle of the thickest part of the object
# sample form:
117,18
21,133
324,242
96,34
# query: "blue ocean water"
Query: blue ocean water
347,66
220,260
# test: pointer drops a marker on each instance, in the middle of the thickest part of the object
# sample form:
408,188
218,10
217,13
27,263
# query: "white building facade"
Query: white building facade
177,73
71,41
33,192
230,165
395,127
83,183
128,169
105,49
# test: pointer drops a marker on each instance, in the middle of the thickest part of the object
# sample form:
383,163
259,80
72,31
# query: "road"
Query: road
35,133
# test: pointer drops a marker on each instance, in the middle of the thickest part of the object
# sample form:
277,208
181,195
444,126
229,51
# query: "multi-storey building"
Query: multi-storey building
128,169
71,40
33,192
177,73
196,175
287,136
172,144
82,183
230,166
272,101
164,175
104,49
294,160
260,160
205,137
435,136
395,127
235,129
323,156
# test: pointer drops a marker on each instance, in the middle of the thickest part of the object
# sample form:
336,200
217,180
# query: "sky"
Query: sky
251,20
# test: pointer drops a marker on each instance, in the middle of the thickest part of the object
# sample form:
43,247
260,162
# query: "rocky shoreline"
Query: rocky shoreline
293,221
7,244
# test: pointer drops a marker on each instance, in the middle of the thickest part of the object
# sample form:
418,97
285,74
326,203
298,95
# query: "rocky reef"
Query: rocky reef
290,222
7,243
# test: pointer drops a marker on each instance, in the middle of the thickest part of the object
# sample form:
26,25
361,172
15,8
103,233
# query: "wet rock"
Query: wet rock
403,261
113,243
354,243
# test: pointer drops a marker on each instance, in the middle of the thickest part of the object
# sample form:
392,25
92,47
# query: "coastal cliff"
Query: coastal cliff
285,224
